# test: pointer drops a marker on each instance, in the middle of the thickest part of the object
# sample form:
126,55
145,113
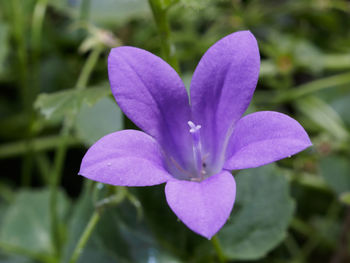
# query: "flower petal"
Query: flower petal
264,137
127,158
222,87
203,206
154,97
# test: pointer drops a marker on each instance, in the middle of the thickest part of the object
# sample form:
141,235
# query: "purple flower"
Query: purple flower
191,146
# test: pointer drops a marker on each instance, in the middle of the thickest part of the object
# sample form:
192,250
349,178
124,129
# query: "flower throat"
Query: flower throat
197,152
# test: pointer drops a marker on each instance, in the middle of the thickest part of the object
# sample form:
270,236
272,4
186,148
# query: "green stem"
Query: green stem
55,181
26,171
62,149
37,25
39,144
292,245
218,249
308,180
313,86
336,62
85,10
18,31
85,236
88,67
160,16
25,93
330,62
43,164
9,248
36,39
114,199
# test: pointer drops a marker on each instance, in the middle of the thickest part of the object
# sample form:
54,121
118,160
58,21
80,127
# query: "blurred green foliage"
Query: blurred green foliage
55,101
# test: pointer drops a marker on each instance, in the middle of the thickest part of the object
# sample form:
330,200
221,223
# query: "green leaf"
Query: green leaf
26,224
112,12
94,122
120,236
3,208
308,56
122,231
261,215
82,211
324,116
174,234
336,172
14,259
105,12
57,105
342,107
345,198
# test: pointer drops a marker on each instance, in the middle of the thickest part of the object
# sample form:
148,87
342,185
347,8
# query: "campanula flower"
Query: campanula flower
191,144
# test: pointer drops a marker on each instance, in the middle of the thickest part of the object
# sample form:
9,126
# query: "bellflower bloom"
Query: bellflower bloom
191,146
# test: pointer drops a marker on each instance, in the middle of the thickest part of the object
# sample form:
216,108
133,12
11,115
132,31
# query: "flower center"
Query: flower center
197,152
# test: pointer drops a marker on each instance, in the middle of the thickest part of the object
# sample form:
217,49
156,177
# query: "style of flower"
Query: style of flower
191,145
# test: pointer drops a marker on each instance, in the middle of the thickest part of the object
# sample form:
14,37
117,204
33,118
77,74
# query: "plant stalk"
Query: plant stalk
13,149
313,86
37,27
62,149
99,208
219,252
160,16
85,236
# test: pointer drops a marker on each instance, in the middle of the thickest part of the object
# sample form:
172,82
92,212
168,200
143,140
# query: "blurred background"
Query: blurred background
55,102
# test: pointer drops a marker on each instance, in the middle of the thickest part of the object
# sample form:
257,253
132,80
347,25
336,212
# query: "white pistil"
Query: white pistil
197,149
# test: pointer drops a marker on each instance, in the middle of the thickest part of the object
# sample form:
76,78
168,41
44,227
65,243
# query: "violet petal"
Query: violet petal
153,96
264,137
222,87
127,158
203,206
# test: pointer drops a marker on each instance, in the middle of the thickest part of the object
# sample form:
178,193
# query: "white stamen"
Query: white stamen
194,128
197,149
